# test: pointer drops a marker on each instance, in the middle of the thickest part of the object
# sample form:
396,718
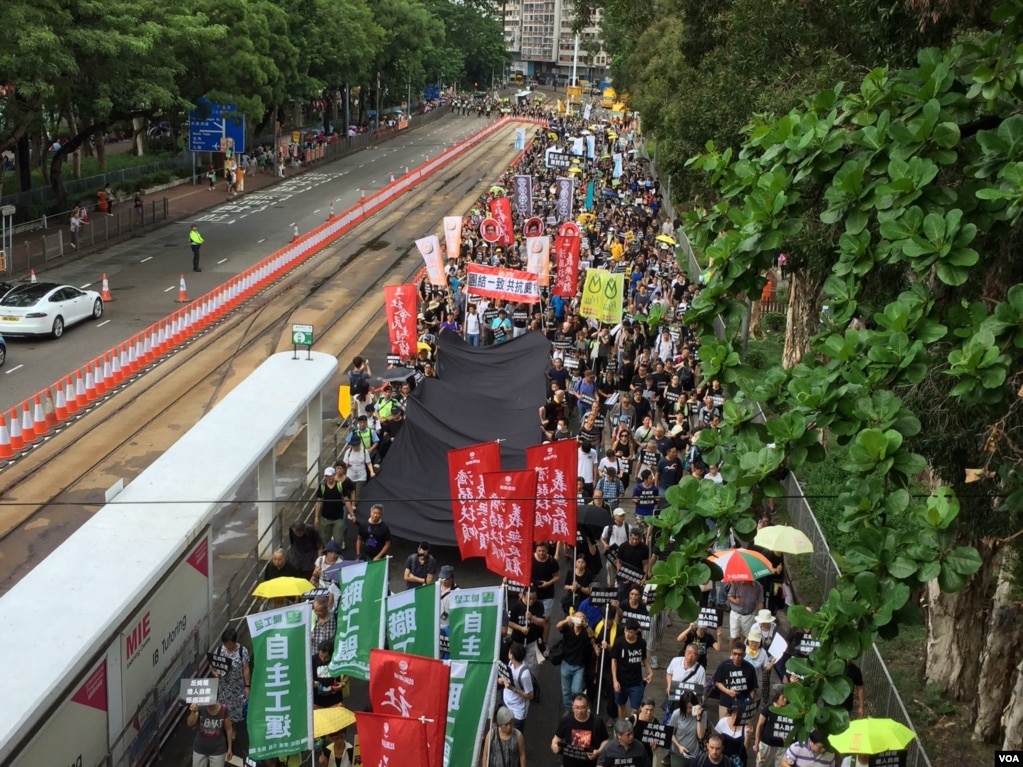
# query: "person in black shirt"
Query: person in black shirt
581,735
374,539
577,658
735,680
630,668
545,574
327,689
704,639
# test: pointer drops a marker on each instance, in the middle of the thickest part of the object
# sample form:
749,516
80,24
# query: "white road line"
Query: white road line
316,211
147,258
16,367
168,290
101,324
85,286
221,261
261,241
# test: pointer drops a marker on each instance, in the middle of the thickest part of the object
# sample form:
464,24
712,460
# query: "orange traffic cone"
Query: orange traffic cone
182,291
50,407
28,424
60,408
105,293
32,276
17,439
6,451
39,424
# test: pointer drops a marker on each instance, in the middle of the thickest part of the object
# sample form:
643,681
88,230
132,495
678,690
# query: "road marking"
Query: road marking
221,261
16,367
259,242
101,324
316,211
168,290
147,258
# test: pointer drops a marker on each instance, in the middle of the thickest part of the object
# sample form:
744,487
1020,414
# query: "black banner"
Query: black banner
642,620
629,574
708,617
891,759
602,597
219,664
657,735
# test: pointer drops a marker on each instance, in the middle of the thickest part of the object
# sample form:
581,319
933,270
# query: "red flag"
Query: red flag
469,508
411,686
389,741
500,209
401,318
511,502
566,256
556,465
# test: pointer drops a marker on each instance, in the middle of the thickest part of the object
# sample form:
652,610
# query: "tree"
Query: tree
911,187
474,43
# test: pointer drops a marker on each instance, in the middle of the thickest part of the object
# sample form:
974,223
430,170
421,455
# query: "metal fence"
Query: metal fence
43,242
883,699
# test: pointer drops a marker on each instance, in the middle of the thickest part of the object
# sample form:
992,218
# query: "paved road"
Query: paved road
144,273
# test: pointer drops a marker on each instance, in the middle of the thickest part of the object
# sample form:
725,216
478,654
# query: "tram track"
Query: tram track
50,491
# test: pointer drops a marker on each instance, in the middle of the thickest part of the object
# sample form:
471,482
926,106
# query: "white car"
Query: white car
45,308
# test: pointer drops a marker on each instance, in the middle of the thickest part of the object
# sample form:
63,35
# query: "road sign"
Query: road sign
209,127
302,335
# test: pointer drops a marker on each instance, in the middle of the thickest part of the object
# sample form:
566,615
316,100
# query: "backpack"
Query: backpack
535,681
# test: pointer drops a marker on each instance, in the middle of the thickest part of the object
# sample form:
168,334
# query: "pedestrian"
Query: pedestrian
215,737
624,749
504,745
518,686
211,176
111,198
578,649
811,753
195,240
137,207
420,568
76,224
771,730
334,505
581,735
687,730
374,539
233,690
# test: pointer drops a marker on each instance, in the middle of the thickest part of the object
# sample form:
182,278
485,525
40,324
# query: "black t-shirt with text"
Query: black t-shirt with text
630,657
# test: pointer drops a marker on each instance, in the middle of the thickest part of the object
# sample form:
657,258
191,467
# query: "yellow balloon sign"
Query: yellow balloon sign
603,296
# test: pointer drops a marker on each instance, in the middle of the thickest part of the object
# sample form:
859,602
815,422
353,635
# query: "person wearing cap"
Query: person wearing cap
612,538
625,749
757,656
334,505
360,467
364,434
501,327
331,556
420,568
811,753
630,668
504,745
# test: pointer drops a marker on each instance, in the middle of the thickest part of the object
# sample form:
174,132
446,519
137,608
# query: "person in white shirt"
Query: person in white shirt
587,468
472,326
518,685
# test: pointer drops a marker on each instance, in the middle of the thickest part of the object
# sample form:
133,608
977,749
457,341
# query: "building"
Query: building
538,34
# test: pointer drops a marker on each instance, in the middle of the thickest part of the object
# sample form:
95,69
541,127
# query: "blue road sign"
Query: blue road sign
220,128
431,93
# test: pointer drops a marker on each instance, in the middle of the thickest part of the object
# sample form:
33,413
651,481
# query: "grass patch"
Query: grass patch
90,167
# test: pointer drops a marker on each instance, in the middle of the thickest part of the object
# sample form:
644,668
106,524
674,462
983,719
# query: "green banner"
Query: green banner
474,617
360,618
280,718
470,705
413,621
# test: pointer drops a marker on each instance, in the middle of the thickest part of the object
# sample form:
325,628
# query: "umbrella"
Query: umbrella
575,169
872,736
553,136
586,218
610,193
783,538
327,721
666,239
742,564
495,189
594,516
612,135
281,588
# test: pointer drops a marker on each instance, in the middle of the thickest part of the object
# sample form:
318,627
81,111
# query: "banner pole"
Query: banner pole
603,655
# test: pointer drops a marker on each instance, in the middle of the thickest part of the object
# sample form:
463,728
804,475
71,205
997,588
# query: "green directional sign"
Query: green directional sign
302,335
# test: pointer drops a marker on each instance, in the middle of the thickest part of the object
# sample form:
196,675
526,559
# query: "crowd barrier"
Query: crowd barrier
26,424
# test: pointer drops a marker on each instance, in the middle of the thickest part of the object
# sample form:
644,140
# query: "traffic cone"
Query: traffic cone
32,276
392,177
39,418
133,359
105,293
294,231
81,393
70,401
6,450
182,291
50,407
28,424
116,375
17,439
330,215
99,379
90,385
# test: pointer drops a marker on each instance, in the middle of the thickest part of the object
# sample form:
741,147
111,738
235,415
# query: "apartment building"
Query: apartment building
538,33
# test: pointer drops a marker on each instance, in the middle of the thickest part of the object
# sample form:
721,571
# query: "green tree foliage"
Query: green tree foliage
474,43
915,178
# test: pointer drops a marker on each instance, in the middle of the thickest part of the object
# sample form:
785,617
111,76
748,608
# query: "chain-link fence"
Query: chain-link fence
883,699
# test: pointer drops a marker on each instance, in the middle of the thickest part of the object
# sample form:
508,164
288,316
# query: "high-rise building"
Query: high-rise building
538,34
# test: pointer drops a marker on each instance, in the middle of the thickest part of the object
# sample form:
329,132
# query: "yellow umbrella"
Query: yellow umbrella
612,135
327,721
872,736
586,218
575,169
666,239
552,135
783,538
281,588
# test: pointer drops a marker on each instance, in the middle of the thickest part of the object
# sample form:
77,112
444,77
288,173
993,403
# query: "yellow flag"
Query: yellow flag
344,400
603,296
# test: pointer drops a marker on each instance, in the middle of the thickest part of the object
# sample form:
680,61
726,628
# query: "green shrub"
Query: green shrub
774,322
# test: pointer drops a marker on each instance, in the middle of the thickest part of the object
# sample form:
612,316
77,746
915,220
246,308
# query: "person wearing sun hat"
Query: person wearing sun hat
767,624
504,745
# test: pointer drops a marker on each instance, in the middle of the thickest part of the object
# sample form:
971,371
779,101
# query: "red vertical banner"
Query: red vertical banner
383,738
401,318
500,209
556,465
566,257
511,506
466,467
411,686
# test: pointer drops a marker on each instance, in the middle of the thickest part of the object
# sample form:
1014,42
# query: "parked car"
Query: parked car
46,308
4,287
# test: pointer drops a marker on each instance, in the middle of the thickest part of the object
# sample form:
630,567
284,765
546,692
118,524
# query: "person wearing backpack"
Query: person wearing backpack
518,685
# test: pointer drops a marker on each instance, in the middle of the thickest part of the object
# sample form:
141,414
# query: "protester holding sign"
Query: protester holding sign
684,675
215,735
735,680
231,663
624,751
771,730
581,735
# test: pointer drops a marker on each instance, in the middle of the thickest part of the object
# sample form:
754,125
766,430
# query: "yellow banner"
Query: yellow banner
603,294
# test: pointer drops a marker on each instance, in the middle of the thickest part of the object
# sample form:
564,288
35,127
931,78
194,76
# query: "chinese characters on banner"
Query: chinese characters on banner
500,209
410,686
383,738
453,236
280,718
413,621
566,258
360,618
538,258
505,284
400,301
602,296
475,625
556,465
468,503
522,189
429,249
511,507
564,198
471,693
